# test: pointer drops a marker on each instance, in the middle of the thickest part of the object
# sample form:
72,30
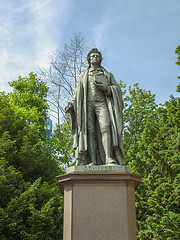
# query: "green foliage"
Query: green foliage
177,51
30,95
62,141
32,213
178,88
30,92
151,144
21,144
140,108
30,203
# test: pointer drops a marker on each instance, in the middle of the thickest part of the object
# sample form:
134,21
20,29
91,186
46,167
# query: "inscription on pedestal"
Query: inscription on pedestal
99,168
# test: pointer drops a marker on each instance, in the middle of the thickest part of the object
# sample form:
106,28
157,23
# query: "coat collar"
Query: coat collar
97,70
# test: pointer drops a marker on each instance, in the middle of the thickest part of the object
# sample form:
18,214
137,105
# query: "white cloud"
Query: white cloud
29,31
35,5
102,28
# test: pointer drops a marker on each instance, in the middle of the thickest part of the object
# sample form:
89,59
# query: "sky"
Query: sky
137,38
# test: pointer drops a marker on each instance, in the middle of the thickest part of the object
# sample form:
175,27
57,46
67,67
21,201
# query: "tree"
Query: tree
30,203
62,142
140,106
64,68
151,146
159,150
30,93
177,51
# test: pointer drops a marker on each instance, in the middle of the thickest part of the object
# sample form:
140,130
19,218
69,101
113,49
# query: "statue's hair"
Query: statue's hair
94,50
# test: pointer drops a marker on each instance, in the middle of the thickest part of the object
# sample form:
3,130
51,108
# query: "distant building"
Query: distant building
48,128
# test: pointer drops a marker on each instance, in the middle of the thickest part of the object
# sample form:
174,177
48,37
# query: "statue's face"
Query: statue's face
95,58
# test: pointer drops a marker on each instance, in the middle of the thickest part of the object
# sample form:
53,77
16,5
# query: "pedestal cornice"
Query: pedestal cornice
101,177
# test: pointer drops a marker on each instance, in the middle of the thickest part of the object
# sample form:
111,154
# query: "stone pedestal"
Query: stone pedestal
99,205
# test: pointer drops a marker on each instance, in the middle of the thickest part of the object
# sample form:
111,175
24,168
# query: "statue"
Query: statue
96,114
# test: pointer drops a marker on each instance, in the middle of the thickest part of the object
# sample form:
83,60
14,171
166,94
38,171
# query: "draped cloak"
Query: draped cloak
79,117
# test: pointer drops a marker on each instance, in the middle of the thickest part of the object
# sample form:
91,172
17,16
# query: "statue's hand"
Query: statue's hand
101,87
68,108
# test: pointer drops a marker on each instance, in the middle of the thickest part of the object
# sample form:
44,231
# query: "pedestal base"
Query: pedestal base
99,205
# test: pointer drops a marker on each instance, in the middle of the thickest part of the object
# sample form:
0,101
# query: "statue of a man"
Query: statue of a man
96,114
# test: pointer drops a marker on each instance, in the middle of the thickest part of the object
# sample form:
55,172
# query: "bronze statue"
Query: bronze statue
96,114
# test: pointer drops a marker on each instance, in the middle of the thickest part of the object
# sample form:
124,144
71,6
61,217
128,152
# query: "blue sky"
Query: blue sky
136,37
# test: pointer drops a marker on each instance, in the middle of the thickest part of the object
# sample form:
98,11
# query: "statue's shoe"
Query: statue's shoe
79,163
91,164
110,161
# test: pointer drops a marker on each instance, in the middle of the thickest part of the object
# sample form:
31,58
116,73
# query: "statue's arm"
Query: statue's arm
77,91
113,81
115,85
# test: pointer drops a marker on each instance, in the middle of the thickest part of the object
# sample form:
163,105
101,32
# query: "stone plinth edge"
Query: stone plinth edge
88,177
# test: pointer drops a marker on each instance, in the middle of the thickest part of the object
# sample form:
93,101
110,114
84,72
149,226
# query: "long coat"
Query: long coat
79,117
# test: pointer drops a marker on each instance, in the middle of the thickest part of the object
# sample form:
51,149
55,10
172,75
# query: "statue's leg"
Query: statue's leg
119,155
79,160
102,114
91,134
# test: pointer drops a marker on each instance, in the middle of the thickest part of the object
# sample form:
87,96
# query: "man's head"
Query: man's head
94,56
